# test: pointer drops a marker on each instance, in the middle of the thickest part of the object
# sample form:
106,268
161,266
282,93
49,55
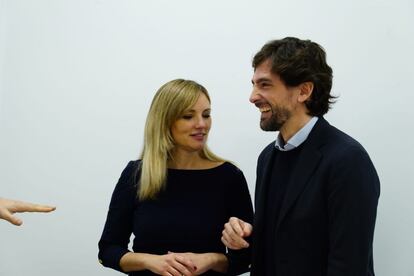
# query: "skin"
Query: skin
282,109
190,133
167,265
207,261
9,207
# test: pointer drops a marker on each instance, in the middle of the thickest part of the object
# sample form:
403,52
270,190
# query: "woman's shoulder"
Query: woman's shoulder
133,164
131,167
230,168
130,171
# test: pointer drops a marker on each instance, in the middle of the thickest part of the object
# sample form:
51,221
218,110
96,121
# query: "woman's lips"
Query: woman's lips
198,136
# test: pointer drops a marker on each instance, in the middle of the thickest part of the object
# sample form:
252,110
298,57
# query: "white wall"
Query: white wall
77,77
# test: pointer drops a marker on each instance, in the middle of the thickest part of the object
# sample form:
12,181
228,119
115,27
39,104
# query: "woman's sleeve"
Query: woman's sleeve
118,226
240,206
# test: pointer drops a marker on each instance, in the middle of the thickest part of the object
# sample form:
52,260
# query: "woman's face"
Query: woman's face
191,129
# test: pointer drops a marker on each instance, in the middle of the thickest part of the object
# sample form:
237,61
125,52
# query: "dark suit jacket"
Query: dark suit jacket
327,218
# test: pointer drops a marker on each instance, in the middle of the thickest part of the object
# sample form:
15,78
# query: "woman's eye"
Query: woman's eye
206,115
187,117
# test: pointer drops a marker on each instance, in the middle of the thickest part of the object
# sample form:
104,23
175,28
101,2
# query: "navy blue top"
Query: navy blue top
188,216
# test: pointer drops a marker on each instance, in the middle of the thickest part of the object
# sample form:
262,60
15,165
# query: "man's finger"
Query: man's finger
229,245
247,229
233,241
236,225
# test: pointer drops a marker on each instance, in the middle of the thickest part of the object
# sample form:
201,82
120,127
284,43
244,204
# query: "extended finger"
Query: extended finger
33,207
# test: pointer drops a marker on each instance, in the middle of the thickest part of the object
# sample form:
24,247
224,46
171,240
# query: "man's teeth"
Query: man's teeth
264,109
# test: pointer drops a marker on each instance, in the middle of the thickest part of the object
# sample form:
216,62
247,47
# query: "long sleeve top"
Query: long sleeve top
187,216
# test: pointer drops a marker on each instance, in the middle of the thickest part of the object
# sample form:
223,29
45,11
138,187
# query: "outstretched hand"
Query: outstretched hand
9,207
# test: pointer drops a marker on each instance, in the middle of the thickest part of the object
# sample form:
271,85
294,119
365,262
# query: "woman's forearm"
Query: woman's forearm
134,261
219,262
158,264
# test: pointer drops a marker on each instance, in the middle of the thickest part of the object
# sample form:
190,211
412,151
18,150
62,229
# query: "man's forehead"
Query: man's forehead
263,74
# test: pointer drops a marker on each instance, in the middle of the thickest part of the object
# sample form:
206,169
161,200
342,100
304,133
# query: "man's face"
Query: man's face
274,99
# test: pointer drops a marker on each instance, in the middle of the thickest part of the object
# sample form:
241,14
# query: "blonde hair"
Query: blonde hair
169,103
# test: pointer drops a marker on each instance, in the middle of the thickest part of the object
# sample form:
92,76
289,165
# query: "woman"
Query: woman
177,197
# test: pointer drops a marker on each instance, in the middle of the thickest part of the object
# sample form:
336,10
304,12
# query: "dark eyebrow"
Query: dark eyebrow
262,80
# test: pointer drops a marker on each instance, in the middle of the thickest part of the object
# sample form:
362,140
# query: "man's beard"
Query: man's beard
278,118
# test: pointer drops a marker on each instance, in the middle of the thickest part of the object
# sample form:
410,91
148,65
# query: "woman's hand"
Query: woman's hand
172,264
206,261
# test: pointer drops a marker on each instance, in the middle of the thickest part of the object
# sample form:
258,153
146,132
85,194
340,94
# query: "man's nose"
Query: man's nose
254,96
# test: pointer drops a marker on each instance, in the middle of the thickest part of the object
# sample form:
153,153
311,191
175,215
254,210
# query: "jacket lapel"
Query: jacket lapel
307,163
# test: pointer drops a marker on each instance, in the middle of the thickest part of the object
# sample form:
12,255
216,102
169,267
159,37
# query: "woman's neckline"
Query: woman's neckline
199,169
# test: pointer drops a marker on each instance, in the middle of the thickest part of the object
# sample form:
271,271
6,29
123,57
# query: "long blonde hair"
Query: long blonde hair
169,103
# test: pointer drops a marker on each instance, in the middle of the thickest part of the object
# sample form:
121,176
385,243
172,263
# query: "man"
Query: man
8,207
317,189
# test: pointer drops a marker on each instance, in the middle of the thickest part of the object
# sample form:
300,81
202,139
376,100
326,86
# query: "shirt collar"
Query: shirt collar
296,139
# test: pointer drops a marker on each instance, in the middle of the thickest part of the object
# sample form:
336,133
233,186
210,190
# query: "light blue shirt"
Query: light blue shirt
296,139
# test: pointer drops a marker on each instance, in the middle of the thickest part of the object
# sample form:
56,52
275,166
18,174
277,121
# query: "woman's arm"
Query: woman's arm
118,226
169,264
207,261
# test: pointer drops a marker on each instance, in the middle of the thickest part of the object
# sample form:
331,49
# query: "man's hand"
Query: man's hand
234,233
8,207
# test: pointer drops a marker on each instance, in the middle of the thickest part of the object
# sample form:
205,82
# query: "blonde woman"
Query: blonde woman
177,197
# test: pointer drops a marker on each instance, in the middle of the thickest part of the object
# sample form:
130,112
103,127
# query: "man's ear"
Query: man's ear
306,89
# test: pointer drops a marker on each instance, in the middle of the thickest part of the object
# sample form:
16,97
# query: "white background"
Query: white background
77,78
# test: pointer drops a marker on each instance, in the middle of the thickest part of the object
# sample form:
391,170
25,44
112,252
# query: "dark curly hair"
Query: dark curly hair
296,61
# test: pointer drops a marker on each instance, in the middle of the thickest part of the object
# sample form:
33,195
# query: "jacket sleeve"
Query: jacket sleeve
352,198
118,226
240,205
